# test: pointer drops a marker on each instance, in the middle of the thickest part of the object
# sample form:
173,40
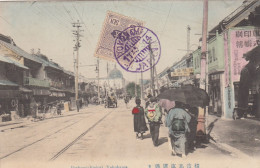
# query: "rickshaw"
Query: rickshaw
110,102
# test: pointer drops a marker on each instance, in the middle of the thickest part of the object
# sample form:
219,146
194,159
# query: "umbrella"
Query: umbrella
166,104
187,94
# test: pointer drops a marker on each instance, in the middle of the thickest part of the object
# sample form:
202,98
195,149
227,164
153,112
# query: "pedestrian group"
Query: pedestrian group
177,119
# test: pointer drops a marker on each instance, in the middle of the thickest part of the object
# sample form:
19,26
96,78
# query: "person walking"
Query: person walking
139,120
177,121
126,100
154,114
58,106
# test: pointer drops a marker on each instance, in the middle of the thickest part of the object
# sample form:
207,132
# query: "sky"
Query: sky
48,26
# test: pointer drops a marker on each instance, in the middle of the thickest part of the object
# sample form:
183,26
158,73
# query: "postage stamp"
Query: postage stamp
137,49
113,25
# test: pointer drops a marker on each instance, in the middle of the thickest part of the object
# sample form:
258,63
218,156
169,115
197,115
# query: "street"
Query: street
95,134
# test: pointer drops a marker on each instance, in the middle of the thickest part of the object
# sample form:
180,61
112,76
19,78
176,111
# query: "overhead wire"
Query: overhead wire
46,14
47,8
81,20
83,23
68,12
61,15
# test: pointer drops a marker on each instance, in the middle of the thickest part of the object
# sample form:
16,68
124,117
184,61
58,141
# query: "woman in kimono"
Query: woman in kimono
177,120
139,120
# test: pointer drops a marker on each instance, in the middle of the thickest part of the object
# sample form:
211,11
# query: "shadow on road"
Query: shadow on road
163,140
147,136
210,128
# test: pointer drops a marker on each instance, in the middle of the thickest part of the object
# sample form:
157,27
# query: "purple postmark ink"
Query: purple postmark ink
137,49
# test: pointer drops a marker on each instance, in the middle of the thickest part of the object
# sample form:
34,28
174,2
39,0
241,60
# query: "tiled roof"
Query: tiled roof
46,62
19,51
36,58
68,72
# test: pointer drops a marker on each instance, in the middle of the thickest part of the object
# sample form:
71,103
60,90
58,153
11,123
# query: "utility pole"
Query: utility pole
98,78
188,39
77,35
152,69
142,86
202,112
156,78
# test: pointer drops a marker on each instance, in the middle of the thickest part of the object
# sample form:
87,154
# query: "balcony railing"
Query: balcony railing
36,82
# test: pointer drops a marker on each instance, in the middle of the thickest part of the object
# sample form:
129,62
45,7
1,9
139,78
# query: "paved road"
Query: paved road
241,134
97,136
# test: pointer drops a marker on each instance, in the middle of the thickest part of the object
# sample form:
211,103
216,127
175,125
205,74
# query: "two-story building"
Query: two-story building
37,78
233,37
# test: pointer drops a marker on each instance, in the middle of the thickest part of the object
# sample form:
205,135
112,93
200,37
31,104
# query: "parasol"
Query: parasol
191,95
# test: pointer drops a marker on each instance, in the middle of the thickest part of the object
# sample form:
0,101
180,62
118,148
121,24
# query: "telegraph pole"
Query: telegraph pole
188,39
77,35
201,128
98,78
156,78
142,86
151,69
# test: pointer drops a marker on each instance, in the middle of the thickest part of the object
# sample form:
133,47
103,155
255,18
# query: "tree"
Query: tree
130,89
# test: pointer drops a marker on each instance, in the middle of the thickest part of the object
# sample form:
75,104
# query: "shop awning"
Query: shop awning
215,71
4,82
25,90
57,92
41,92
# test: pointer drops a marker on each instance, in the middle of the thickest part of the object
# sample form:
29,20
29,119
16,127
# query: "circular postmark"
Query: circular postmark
137,49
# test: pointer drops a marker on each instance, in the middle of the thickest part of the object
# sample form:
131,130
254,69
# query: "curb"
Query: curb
28,121
229,149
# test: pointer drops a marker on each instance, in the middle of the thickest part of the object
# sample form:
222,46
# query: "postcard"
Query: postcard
130,84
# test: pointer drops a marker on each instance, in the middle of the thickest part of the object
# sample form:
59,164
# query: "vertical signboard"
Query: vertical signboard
242,41
227,81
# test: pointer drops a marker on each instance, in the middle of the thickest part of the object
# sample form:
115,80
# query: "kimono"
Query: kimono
139,121
178,139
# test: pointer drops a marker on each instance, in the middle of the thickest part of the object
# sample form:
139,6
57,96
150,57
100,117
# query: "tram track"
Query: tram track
78,138
41,139
53,133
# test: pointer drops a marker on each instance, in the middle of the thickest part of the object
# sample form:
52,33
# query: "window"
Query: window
209,57
214,54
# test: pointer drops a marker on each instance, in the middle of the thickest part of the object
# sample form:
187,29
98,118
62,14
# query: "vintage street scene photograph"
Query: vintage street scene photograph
130,84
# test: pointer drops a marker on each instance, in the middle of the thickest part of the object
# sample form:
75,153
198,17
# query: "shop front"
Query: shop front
215,93
248,88
241,74
8,103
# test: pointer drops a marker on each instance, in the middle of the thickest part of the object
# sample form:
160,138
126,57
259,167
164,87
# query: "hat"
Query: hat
153,99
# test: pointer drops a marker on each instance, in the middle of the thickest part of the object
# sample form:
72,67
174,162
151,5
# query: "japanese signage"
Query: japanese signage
227,80
182,72
241,41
